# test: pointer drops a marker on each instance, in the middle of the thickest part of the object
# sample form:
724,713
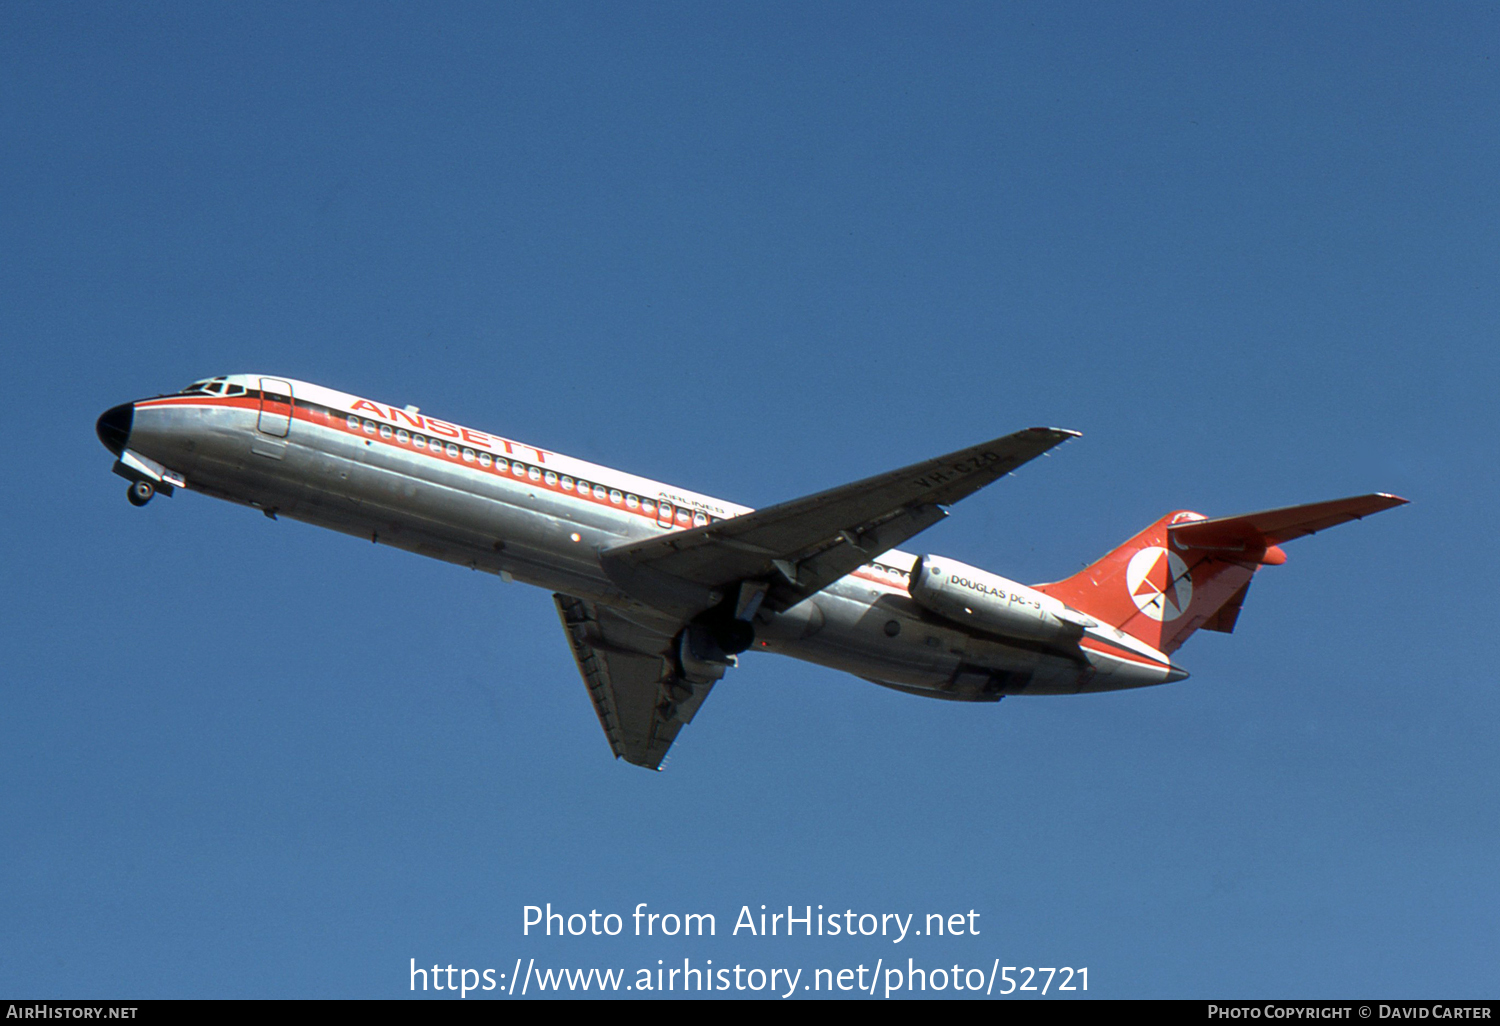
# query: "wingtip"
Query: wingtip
1065,432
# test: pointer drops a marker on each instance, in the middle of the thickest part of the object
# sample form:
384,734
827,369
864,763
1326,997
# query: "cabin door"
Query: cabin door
275,407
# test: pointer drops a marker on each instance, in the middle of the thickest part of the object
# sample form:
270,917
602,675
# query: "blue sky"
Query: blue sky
758,251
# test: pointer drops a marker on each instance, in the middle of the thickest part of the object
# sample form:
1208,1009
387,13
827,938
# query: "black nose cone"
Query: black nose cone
114,427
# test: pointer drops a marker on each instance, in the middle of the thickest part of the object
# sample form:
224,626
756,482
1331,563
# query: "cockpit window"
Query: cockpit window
212,385
234,390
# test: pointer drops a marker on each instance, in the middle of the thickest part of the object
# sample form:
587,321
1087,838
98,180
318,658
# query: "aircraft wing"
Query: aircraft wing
802,546
640,703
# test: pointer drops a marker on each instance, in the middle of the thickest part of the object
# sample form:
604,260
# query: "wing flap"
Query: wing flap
640,702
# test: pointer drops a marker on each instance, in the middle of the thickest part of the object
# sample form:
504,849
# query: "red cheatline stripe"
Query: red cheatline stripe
336,420
1128,655
235,401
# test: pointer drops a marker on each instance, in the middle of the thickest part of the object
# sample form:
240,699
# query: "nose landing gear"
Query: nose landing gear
140,492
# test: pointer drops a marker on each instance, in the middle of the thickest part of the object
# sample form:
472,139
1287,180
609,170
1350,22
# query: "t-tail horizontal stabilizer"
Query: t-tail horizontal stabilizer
1187,571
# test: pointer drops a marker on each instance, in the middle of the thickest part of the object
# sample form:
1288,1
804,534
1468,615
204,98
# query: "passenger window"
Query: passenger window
551,478
353,423
583,489
452,449
616,496
518,469
502,464
370,428
632,502
599,492
533,473
403,436
684,517
699,519
386,431
648,506
485,459
468,455
419,441
567,483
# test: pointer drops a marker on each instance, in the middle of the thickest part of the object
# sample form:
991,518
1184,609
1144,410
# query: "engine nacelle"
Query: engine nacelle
977,598
699,656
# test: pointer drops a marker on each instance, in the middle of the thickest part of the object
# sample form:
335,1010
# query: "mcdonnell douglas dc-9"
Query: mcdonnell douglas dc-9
659,589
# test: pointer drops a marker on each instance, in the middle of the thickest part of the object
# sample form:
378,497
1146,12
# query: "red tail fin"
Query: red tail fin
1154,590
1185,571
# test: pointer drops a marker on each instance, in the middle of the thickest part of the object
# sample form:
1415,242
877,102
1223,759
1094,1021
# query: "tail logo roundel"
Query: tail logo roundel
1159,583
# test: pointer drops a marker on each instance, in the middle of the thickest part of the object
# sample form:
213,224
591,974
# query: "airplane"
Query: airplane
659,589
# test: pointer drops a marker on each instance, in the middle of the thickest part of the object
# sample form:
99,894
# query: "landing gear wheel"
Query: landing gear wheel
140,493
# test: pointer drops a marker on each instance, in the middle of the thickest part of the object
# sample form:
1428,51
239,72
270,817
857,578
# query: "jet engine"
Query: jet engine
979,599
700,658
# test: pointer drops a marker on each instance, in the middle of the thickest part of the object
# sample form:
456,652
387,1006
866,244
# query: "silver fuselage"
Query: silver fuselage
399,477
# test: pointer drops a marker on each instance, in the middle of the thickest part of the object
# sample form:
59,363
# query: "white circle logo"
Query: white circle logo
1159,583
